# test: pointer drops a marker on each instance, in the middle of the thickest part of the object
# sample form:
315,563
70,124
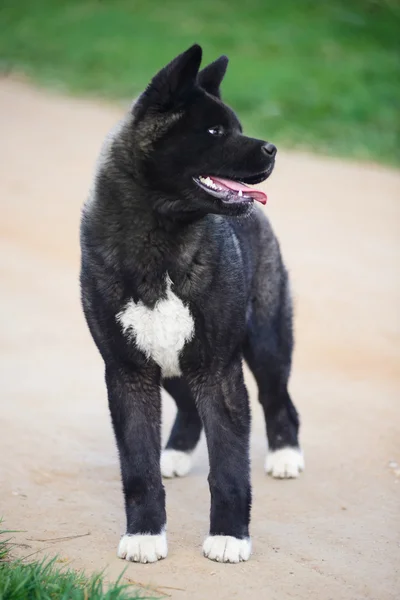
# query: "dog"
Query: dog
181,279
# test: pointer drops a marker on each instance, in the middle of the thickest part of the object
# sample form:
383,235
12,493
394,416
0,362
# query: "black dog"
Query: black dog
176,291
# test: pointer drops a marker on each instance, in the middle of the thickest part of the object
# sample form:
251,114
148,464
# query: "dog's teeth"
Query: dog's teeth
209,183
240,193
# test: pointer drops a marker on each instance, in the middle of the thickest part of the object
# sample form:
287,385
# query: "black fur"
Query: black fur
146,217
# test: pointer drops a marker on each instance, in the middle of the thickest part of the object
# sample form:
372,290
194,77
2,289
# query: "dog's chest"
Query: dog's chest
160,332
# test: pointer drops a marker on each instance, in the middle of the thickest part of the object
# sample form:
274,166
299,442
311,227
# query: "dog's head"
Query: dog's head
189,147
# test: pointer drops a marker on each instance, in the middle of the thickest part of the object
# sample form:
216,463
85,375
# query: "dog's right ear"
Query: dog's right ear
211,76
171,85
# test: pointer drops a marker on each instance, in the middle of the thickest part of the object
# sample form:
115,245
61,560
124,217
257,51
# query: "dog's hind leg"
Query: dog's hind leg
176,458
268,353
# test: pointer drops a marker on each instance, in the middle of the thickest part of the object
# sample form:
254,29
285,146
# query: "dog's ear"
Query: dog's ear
211,76
170,86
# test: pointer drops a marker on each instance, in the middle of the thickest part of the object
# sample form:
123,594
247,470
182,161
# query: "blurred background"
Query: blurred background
315,74
321,80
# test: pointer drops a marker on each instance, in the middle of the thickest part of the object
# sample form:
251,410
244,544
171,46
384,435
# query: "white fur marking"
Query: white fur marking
161,332
175,463
143,547
286,463
225,548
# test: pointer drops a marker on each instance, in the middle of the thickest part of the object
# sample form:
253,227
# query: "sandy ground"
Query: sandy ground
334,533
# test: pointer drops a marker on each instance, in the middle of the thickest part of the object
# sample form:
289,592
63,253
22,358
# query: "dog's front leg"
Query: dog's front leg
135,406
224,409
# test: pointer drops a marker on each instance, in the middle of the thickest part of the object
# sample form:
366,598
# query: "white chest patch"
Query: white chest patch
160,332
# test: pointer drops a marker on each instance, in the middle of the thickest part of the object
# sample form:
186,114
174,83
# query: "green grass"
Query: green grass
321,74
45,580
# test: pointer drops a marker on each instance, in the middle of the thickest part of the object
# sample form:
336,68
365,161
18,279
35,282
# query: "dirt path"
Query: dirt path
335,533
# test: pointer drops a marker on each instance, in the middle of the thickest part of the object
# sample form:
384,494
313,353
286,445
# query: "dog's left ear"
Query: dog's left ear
171,85
211,76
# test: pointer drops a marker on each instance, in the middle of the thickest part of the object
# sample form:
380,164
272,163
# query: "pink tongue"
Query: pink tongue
237,187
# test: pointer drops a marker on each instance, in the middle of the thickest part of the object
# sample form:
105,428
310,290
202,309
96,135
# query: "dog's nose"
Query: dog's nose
269,149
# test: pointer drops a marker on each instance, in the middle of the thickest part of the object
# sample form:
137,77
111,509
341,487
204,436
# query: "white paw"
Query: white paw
225,548
285,463
175,463
144,548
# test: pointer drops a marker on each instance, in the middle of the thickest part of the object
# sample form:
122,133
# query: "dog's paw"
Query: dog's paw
144,548
175,463
286,463
225,548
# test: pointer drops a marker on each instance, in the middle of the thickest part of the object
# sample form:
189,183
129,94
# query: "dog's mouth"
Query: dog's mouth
234,191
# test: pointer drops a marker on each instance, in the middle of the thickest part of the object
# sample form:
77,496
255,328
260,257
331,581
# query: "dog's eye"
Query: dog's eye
217,130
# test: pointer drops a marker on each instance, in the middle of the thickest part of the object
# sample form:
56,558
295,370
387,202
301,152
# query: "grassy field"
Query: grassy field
316,74
46,580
